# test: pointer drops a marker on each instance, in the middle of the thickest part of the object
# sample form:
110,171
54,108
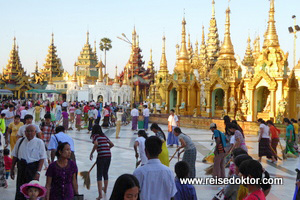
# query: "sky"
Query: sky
33,21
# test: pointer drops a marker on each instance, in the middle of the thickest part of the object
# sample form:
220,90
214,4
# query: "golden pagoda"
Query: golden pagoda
37,77
204,65
14,77
52,67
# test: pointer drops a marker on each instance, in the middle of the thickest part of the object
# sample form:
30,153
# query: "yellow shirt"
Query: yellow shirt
296,127
14,128
37,108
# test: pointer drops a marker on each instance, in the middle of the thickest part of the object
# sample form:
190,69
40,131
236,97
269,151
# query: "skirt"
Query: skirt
66,123
189,156
146,122
105,121
72,116
164,155
2,170
78,121
172,139
13,141
140,125
37,116
264,148
134,123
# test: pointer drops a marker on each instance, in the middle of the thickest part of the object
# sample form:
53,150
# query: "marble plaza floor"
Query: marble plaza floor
123,161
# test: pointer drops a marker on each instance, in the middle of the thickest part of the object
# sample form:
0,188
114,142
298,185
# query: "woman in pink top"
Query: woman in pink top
253,169
72,115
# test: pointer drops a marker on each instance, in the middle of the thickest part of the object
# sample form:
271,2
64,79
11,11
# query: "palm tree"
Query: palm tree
105,45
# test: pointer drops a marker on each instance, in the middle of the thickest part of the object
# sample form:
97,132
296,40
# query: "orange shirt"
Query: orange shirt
274,132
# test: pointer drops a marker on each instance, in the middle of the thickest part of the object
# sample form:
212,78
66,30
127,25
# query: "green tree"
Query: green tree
105,45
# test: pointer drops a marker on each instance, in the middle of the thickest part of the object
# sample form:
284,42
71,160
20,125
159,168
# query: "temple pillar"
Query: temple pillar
166,108
198,102
273,100
225,108
208,103
188,104
137,93
178,102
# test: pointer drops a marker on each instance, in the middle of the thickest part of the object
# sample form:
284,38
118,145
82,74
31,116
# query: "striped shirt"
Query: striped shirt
103,149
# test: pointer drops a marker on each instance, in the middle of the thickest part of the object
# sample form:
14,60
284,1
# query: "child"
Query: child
184,191
33,190
7,162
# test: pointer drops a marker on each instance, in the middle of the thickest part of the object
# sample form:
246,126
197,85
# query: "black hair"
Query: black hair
142,133
134,106
2,114
261,121
11,106
287,120
254,169
59,129
97,130
293,120
238,151
239,127
145,106
182,169
172,110
226,119
153,146
123,183
270,122
241,158
47,116
60,147
233,125
17,116
28,116
155,126
6,152
177,130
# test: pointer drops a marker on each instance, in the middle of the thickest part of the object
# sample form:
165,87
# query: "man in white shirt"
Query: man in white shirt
146,114
23,113
134,114
60,137
64,104
173,122
28,121
156,180
9,115
29,154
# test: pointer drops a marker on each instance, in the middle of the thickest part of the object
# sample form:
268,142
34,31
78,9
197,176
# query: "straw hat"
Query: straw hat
33,183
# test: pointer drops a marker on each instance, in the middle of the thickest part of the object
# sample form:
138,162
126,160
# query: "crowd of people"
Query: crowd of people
45,143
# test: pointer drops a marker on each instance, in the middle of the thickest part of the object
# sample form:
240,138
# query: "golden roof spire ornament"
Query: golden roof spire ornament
14,43
271,37
137,41
227,50
87,37
248,59
75,75
196,52
52,38
95,49
150,63
36,67
213,42
116,75
133,37
183,51
163,60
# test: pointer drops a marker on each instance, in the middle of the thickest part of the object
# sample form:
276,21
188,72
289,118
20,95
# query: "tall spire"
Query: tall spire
100,72
116,75
213,42
227,50
87,37
150,63
271,37
52,38
14,43
36,67
95,49
183,55
133,37
163,60
248,59
75,75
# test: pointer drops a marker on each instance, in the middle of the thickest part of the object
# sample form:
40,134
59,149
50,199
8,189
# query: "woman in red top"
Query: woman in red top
274,136
103,145
253,169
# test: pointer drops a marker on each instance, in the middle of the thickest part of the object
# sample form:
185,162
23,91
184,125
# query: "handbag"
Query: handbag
78,197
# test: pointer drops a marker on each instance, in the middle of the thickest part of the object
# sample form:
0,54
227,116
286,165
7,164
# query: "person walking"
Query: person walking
239,139
78,114
23,113
103,145
134,114
29,155
119,122
289,137
86,109
61,175
72,115
164,154
28,121
65,119
92,117
274,136
264,141
12,131
3,182
106,115
60,137
140,144
146,114
37,112
58,112
157,180
190,151
172,123
219,167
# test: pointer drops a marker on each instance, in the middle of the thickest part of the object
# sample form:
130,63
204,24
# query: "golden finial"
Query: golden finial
271,37
203,36
213,9
248,59
183,51
137,41
196,48
133,37
52,38
95,51
36,67
189,40
150,63
87,37
74,75
163,60
227,47
14,43
116,75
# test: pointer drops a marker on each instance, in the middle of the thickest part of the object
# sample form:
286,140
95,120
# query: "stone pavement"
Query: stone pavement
123,161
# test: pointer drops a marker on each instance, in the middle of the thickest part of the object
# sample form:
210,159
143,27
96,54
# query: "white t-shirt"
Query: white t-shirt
119,116
64,104
266,129
141,147
146,112
23,113
21,131
232,139
9,114
173,120
134,112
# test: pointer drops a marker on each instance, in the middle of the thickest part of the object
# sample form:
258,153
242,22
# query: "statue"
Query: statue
267,108
282,107
232,103
195,112
182,105
244,107
238,115
203,102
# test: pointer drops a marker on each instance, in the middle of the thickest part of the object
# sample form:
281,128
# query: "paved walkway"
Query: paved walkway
123,161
